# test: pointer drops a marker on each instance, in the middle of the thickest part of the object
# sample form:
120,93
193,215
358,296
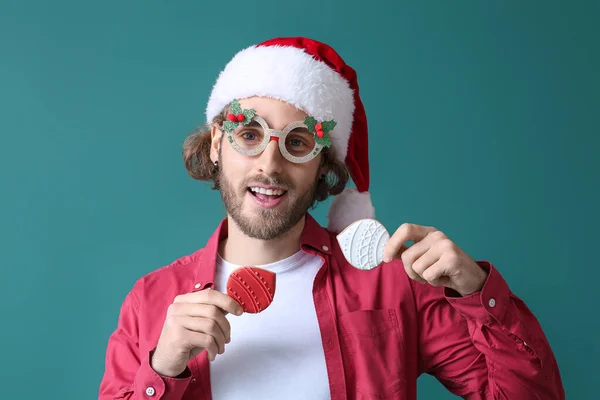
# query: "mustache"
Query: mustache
270,181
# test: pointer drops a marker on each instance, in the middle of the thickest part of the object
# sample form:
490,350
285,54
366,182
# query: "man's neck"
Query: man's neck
240,249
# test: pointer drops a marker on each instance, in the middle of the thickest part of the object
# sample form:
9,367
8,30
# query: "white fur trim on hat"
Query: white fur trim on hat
291,75
348,207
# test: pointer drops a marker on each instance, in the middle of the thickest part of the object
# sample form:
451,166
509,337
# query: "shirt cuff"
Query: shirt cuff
149,384
487,305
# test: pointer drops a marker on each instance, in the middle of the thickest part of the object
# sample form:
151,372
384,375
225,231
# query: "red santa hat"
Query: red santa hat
313,77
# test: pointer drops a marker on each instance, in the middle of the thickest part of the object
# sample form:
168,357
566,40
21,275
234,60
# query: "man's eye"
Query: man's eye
249,135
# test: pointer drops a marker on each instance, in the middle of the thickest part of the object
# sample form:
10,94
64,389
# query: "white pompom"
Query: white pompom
348,207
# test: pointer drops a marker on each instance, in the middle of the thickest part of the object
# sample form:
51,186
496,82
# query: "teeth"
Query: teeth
268,192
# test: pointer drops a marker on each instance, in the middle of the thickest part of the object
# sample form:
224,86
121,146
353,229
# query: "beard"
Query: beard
265,223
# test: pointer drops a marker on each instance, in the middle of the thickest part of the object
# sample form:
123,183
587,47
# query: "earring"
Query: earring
216,166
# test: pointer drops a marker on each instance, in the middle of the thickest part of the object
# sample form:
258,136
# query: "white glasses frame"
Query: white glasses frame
277,135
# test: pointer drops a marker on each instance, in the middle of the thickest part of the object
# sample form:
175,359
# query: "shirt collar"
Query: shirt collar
314,238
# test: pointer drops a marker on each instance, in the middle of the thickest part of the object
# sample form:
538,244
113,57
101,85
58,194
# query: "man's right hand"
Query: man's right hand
194,322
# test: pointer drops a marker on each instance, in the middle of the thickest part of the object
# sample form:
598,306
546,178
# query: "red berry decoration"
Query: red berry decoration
318,127
320,134
253,288
241,117
232,118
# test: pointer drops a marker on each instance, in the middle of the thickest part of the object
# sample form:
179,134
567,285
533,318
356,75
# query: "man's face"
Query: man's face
290,187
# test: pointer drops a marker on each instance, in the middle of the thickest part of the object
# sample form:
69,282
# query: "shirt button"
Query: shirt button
150,391
492,302
197,286
325,248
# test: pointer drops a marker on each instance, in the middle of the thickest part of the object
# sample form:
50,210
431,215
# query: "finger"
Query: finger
209,296
418,257
207,342
413,275
411,255
205,326
426,259
403,234
203,310
436,274
401,251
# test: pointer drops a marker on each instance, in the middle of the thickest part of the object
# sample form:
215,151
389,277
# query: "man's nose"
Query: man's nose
271,160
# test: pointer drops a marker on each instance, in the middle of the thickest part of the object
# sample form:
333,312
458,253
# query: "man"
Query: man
287,129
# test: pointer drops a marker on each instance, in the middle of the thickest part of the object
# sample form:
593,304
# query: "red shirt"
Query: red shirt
380,331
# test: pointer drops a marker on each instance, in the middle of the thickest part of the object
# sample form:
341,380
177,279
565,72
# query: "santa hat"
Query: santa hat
311,76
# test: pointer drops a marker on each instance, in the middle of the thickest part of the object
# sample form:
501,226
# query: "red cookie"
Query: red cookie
253,288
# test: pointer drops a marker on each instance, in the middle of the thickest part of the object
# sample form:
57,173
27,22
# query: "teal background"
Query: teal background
483,122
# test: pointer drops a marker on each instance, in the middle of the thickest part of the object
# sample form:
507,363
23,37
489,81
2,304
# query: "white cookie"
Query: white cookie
362,243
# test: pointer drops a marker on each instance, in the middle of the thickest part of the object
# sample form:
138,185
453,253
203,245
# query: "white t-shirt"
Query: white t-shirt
278,353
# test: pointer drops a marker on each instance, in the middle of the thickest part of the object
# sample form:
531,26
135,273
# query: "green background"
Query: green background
483,122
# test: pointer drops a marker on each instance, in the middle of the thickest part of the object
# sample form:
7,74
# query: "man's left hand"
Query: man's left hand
435,259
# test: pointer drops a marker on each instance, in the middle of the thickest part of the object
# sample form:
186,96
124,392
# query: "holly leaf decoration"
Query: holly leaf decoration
325,141
228,126
249,114
235,108
328,126
310,122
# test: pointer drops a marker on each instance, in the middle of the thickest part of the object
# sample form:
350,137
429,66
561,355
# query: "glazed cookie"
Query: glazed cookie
253,288
362,243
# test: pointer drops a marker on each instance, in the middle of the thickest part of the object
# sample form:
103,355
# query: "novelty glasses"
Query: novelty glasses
299,141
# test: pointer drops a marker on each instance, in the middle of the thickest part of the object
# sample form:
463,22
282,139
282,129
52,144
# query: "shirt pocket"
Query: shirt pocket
372,345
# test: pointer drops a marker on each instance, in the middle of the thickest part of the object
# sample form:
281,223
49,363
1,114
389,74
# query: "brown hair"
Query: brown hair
196,157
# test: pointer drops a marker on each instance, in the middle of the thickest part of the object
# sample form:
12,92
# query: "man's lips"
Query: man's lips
265,200
275,191
273,187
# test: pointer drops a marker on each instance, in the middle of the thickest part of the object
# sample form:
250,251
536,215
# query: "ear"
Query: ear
215,143
323,171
